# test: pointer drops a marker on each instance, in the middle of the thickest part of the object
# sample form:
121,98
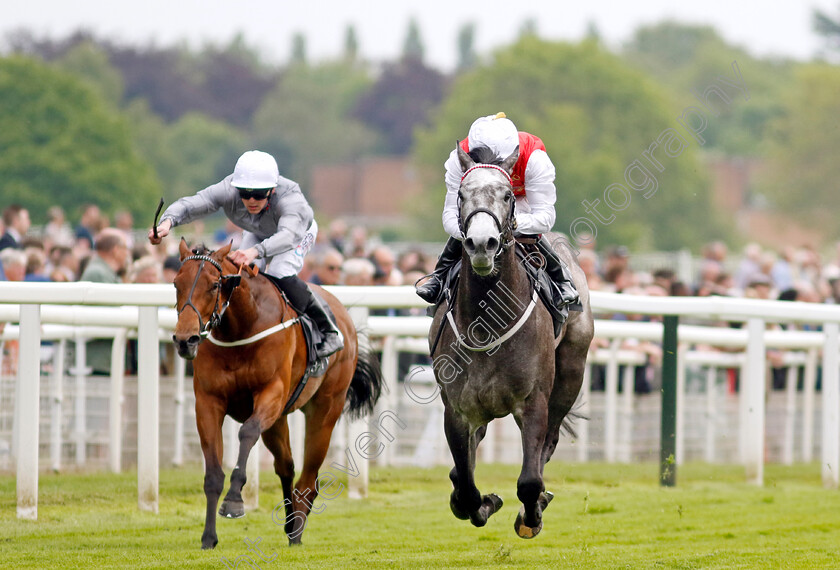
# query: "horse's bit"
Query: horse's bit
216,316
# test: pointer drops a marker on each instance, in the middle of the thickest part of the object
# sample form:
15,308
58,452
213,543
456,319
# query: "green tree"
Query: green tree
413,48
298,49
467,58
306,120
802,169
829,28
596,117
61,143
351,44
89,61
685,59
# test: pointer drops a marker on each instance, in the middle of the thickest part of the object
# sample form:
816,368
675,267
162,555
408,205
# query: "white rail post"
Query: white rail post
679,430
80,400
28,393
831,406
180,380
357,487
116,400
586,411
251,489
753,390
387,402
809,389
611,402
790,414
711,412
148,409
628,380
56,402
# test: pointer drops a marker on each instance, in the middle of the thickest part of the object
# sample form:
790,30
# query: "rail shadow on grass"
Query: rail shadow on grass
603,516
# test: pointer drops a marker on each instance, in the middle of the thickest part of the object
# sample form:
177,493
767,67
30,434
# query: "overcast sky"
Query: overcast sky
780,27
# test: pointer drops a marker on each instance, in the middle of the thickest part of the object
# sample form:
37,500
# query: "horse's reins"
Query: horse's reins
508,227
216,317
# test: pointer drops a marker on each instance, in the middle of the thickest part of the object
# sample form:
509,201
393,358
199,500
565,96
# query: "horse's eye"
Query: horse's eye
507,197
214,286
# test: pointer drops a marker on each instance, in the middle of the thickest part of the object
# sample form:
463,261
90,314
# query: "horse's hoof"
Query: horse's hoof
232,509
524,531
457,510
493,501
546,498
209,542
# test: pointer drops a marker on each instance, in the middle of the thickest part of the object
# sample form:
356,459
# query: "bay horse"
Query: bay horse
494,349
250,369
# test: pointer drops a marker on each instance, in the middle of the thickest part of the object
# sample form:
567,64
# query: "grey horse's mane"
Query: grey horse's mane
483,155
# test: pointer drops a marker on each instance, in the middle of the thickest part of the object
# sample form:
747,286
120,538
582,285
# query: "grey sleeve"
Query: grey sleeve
193,207
295,217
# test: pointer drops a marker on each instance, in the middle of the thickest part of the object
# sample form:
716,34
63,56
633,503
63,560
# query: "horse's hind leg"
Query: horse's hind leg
276,439
210,413
532,422
466,501
321,417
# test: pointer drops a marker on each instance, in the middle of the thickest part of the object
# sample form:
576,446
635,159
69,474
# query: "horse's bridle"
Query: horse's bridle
505,227
218,311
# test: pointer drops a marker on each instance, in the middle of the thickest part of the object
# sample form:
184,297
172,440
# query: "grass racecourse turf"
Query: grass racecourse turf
603,516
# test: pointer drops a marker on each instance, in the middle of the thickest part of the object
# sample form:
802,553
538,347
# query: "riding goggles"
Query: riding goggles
256,194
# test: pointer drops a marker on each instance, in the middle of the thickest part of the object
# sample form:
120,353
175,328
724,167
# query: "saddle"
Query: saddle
315,367
540,280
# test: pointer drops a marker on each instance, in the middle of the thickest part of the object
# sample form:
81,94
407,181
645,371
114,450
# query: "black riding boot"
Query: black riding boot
431,290
565,293
303,301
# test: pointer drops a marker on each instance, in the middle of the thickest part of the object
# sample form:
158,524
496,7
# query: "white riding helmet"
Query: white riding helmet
496,132
256,170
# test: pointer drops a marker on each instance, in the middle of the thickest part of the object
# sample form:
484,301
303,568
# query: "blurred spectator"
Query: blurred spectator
749,265
62,260
146,270
16,221
36,265
414,260
229,233
110,262
14,264
89,224
588,261
358,243
171,267
384,260
337,234
124,221
327,267
664,278
57,231
782,271
358,271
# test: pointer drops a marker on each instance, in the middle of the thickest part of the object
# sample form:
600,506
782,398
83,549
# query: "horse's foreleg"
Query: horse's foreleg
210,414
533,422
233,507
466,501
276,439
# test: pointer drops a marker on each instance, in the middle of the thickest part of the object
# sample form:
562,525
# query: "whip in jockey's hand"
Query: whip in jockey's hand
162,232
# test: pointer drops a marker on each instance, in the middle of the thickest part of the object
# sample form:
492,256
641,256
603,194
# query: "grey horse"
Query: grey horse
495,352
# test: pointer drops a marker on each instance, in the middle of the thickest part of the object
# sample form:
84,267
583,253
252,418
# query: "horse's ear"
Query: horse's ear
251,269
220,254
510,161
184,249
464,158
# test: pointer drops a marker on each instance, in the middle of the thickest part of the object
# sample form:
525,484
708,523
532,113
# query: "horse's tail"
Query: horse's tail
366,386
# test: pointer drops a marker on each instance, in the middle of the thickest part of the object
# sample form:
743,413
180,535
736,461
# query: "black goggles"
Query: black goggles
258,194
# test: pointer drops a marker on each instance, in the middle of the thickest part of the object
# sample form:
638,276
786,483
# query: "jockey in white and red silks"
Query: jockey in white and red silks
533,187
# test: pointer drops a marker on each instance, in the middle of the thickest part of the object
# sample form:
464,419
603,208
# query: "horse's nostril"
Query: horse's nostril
194,339
469,244
492,244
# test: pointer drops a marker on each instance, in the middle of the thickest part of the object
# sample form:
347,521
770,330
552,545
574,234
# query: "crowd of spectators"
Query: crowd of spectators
97,250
